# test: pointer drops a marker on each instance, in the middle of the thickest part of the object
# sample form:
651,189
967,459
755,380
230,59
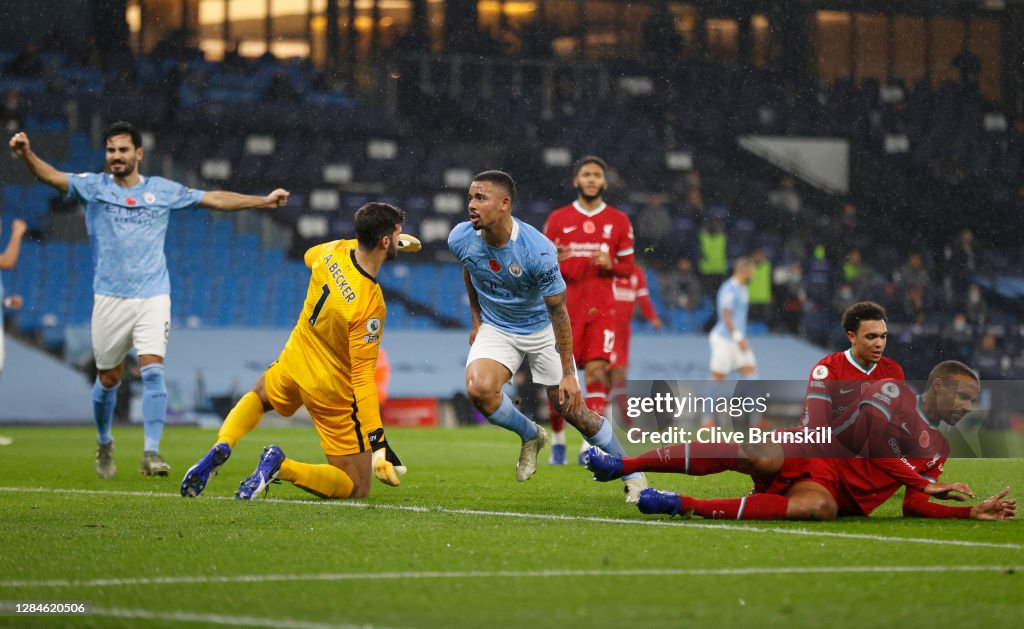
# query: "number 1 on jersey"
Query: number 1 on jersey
319,305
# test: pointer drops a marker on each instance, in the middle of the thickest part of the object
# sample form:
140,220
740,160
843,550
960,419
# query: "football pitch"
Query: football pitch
461,544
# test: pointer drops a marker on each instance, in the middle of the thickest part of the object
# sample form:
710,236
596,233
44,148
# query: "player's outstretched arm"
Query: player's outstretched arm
9,257
569,394
474,304
995,508
42,171
224,201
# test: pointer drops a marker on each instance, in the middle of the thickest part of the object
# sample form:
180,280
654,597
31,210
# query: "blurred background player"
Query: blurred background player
628,292
595,245
8,260
839,380
328,366
517,302
126,215
905,448
730,349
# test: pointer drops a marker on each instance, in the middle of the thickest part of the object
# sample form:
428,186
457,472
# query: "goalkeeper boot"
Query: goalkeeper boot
266,472
105,467
527,464
605,467
199,474
654,501
633,486
153,464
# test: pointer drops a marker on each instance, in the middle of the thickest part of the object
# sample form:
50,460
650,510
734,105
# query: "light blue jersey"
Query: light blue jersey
127,228
732,296
1,302
511,282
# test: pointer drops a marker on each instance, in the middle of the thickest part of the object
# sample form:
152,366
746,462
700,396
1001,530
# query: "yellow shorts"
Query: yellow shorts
341,430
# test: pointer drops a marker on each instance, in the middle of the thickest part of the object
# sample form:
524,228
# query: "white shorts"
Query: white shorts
726,356
509,350
119,323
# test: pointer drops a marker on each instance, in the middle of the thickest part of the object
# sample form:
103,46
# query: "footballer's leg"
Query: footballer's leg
484,380
150,336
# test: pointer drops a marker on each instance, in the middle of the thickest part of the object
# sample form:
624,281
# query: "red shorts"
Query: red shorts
593,334
620,354
825,472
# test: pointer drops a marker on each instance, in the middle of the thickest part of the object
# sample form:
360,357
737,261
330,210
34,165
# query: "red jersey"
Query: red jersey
838,382
629,290
898,445
583,233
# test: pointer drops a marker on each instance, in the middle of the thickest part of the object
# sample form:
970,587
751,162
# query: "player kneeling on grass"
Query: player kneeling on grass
895,431
327,365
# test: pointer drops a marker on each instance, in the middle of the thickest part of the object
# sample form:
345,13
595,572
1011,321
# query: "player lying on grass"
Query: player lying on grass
327,365
517,303
893,424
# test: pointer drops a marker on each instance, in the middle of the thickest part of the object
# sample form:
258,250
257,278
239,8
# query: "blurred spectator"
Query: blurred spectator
654,229
858,274
281,89
913,305
680,287
957,339
28,63
845,297
961,265
988,359
977,310
714,263
786,198
912,274
760,287
11,114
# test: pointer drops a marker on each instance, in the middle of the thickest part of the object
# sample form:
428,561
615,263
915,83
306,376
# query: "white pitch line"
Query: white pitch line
501,574
220,619
555,517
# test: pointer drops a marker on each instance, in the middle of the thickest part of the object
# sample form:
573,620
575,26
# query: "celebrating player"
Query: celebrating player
126,215
898,433
595,245
839,380
8,259
327,365
628,291
517,302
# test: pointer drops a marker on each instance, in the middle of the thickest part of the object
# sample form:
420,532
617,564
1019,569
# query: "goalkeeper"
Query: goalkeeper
327,365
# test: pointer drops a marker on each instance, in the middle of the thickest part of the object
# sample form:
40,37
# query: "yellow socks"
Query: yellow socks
325,481
241,420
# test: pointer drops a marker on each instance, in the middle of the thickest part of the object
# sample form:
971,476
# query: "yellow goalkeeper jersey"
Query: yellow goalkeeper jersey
332,352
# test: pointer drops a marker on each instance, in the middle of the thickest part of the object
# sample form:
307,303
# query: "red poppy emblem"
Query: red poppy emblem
924,440
495,265
130,201
589,227
864,387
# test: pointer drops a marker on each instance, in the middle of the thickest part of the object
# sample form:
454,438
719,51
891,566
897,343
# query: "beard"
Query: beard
590,198
128,169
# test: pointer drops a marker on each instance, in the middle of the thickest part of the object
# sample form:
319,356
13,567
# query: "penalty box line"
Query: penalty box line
551,517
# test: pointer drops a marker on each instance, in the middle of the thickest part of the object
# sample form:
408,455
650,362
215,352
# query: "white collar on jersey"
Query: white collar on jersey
586,212
853,361
515,231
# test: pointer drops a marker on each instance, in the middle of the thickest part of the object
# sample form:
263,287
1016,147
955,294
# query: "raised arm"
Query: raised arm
42,171
10,255
232,201
474,304
569,393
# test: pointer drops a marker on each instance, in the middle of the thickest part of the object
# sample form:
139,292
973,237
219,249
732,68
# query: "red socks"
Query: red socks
752,507
596,398
695,459
555,419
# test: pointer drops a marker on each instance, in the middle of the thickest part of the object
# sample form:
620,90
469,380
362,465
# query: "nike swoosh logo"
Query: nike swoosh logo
845,391
566,230
905,428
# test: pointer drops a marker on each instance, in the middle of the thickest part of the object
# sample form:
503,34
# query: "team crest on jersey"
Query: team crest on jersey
891,389
864,387
820,372
924,440
515,269
130,201
589,227
495,265
149,197
373,325
607,231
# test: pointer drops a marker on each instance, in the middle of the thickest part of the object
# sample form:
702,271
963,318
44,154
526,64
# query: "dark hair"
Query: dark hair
949,368
590,159
862,311
501,178
375,220
123,128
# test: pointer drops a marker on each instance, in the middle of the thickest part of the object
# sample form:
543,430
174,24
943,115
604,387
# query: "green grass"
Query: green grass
400,558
